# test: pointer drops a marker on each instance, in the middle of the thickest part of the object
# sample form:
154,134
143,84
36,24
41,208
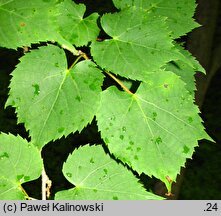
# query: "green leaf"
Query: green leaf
137,47
179,13
96,176
155,130
25,22
10,190
20,162
51,99
73,27
185,72
186,68
189,59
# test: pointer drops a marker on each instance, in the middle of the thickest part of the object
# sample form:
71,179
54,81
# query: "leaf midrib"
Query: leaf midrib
50,111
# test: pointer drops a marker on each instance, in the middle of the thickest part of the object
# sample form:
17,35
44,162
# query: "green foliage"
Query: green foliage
21,26
178,13
58,100
20,162
73,27
96,176
153,129
134,44
145,127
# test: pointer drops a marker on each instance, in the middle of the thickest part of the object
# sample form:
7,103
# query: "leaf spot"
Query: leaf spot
165,85
131,143
20,177
36,89
4,155
154,115
158,140
105,171
92,160
129,148
113,118
61,129
78,98
138,149
185,149
190,119
69,175
124,129
22,24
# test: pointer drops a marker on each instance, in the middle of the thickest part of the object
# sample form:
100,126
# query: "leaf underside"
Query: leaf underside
10,190
20,162
98,177
134,51
73,27
154,130
36,22
51,99
42,21
179,13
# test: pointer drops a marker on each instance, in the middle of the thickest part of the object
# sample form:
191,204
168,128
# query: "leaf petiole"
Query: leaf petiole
119,82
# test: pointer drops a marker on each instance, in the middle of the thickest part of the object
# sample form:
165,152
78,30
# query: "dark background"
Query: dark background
202,177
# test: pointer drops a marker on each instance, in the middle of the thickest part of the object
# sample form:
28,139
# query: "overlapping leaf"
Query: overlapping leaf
73,27
96,176
190,60
154,130
51,99
140,44
25,22
186,69
185,72
20,162
179,13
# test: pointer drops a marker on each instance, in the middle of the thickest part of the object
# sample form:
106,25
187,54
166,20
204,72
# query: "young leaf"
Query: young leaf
51,99
20,162
73,27
25,22
96,176
156,129
137,46
179,13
